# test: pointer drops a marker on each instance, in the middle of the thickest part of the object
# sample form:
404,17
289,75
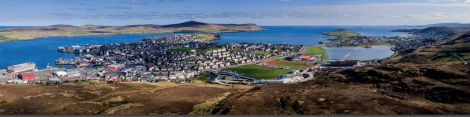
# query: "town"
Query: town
178,58
345,38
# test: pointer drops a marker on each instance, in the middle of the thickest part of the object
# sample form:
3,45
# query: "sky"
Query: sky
261,12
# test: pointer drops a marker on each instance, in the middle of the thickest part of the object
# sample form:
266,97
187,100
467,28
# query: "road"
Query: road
463,60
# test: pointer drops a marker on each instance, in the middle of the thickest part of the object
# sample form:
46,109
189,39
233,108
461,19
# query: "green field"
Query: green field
185,49
258,71
289,64
315,50
204,36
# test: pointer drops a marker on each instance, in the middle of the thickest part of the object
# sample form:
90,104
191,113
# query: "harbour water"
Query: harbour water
303,35
359,53
43,51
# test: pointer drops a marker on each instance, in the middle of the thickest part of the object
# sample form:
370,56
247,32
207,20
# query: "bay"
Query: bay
43,51
359,53
303,35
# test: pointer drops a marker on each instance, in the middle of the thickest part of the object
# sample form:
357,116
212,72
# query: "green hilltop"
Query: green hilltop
342,34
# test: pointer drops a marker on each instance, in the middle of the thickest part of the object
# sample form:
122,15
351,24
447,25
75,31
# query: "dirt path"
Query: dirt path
163,87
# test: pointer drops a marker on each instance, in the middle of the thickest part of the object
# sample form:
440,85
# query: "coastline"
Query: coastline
11,34
75,40
104,34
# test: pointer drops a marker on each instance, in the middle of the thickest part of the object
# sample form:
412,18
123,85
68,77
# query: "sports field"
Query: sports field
288,64
315,50
258,71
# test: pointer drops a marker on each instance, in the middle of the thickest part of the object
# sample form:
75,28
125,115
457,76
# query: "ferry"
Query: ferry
70,49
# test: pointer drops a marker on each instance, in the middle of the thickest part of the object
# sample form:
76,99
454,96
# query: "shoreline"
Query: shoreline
363,45
13,34
100,34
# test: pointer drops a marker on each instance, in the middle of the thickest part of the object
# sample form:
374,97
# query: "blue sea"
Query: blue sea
14,27
43,51
303,35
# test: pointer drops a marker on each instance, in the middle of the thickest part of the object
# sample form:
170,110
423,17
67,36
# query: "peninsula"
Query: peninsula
342,34
347,38
70,30
344,37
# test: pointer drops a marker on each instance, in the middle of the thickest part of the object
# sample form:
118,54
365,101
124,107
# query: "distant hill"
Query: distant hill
70,30
186,24
63,26
441,30
438,30
444,28
451,25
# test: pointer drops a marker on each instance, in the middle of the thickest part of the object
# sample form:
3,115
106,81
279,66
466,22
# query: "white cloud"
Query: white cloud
450,1
390,13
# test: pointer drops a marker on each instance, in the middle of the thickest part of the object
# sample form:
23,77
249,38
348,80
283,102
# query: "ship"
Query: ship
21,67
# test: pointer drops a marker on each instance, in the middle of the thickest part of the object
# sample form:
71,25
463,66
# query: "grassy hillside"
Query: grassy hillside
448,51
67,30
424,80
392,89
204,36
342,34
162,98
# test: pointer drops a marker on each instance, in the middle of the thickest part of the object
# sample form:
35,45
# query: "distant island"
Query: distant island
342,34
70,30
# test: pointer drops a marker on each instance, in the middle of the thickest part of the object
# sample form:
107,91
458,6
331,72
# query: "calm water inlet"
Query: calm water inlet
359,53
43,51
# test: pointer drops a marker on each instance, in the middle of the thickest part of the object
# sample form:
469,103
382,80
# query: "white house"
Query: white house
73,74
61,73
